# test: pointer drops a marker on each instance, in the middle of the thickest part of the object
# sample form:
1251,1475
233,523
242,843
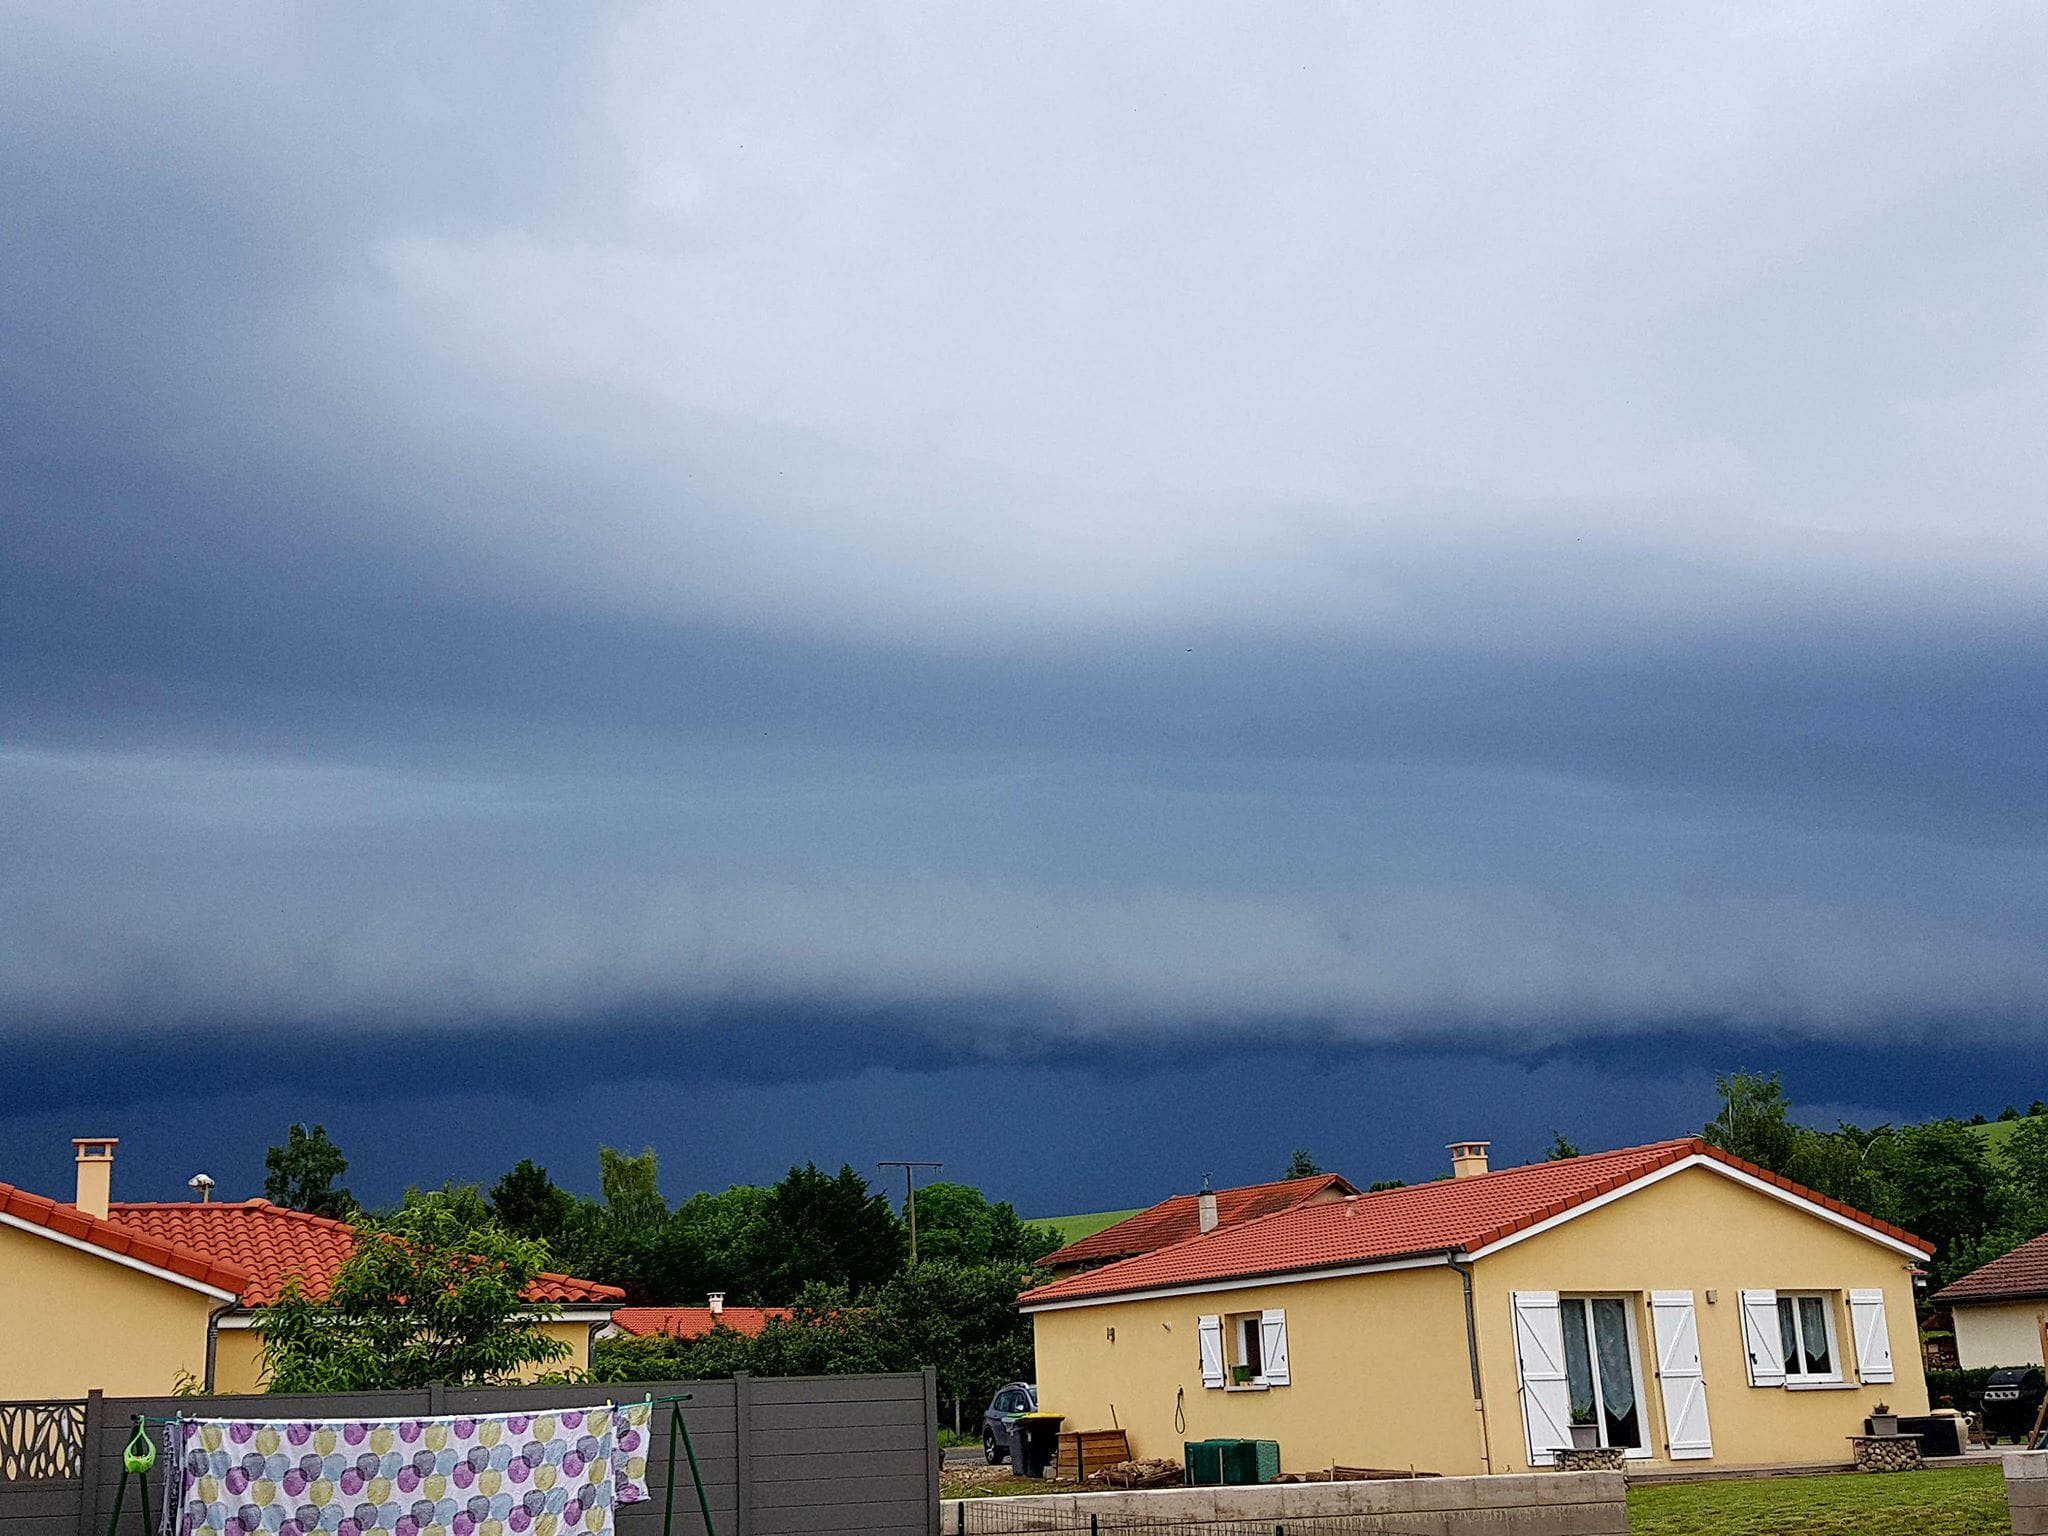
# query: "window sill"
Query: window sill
1249,1386
1820,1386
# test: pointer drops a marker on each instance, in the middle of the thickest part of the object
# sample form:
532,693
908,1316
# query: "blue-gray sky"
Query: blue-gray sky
1168,581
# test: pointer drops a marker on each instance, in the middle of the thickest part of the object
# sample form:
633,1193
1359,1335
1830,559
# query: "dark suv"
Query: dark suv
1018,1397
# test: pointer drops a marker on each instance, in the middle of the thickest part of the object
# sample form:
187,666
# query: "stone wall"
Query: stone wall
1526,1504
2026,1491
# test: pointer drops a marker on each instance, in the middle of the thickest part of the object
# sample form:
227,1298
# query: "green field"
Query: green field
1954,1501
1073,1228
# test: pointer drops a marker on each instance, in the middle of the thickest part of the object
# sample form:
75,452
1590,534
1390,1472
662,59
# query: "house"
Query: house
1180,1217
131,1297
1995,1310
1695,1307
690,1322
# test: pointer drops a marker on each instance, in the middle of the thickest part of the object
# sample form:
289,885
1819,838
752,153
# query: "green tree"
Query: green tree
957,1223
1755,1120
830,1228
426,1296
1301,1164
526,1202
1561,1148
303,1174
1949,1190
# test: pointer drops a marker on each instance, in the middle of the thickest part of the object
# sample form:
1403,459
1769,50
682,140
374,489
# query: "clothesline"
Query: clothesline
183,1418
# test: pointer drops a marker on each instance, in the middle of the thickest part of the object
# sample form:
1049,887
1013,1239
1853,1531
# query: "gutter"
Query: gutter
213,1320
1464,1268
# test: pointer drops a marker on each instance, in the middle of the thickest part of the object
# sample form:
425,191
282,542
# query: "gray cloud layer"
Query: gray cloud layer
1121,516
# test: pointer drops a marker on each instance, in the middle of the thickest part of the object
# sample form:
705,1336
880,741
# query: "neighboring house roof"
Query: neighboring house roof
694,1322
2021,1275
1453,1216
1179,1218
268,1244
159,1253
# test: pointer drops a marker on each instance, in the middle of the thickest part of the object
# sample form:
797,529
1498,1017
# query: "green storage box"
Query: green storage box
1203,1461
1240,1461
1268,1452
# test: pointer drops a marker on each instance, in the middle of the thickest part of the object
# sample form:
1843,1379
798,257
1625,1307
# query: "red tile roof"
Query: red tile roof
694,1322
158,1251
268,1244
1179,1217
2020,1275
1451,1216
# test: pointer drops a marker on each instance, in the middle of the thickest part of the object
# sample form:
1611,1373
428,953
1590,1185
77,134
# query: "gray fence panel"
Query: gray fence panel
788,1456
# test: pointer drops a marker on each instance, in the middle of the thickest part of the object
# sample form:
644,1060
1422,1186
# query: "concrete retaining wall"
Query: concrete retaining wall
1528,1504
2026,1491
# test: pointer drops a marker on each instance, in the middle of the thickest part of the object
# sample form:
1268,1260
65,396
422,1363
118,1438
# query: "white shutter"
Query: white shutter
1273,1345
1761,1340
1539,1356
1873,1336
1672,1319
1210,1332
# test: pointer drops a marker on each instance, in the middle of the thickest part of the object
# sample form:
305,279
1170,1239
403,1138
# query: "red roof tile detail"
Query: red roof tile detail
1178,1218
2020,1275
1451,1216
694,1322
269,1244
157,1250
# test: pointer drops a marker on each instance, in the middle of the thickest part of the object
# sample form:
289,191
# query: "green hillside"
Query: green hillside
1073,1228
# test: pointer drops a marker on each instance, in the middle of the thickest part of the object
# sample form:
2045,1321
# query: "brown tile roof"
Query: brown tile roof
694,1322
1453,1215
1178,1218
268,1244
155,1250
2020,1275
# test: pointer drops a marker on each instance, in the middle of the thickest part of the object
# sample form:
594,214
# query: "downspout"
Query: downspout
1464,1269
213,1341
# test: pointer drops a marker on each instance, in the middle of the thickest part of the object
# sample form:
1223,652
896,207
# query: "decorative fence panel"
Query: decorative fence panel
780,1456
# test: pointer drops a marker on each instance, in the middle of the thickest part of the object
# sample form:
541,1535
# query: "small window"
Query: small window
1247,1350
1806,1331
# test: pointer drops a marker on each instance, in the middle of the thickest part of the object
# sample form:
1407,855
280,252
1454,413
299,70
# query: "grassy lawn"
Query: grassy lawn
1954,1501
1073,1228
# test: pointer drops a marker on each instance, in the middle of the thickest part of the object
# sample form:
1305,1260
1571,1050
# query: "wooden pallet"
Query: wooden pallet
1083,1451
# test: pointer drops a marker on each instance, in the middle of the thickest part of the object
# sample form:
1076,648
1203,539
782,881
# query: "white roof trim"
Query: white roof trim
1714,1165
8,1219
1242,1283
581,1313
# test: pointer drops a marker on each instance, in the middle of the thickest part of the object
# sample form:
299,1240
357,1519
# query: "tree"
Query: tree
1302,1164
1561,1148
957,1223
527,1203
302,1174
824,1227
424,1297
1379,1184
1948,1189
1754,1122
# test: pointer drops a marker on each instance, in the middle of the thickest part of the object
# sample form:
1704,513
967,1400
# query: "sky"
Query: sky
1096,592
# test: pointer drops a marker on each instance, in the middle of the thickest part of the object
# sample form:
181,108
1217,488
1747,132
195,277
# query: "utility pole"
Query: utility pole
910,1193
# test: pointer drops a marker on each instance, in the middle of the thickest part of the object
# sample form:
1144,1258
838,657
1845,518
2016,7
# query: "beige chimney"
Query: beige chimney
95,1173
1207,1206
1468,1158
718,1303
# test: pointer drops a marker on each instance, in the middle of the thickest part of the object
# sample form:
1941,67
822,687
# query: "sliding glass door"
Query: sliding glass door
1602,1370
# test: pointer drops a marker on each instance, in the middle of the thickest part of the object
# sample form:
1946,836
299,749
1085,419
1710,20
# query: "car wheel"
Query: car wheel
990,1449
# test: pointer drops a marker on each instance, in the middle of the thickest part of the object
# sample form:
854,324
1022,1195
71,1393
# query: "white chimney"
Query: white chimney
718,1303
1468,1158
95,1173
1207,1205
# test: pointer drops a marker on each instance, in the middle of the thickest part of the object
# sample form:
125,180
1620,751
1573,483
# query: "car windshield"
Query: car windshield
1031,1398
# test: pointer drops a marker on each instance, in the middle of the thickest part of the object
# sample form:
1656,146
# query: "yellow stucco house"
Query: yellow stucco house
1695,1307
127,1298
1997,1310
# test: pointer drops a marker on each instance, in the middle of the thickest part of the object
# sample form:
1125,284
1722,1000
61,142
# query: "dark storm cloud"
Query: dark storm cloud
761,526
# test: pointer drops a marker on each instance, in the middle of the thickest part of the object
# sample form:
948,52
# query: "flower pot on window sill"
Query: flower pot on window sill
1585,1437
1242,1375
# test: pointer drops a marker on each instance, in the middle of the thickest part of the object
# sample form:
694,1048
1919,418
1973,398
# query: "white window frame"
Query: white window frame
1630,1304
1237,1327
1830,1304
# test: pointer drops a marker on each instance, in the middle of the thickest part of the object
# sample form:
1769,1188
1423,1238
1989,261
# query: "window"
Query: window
1244,1350
1806,1333
1603,1376
1251,1359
